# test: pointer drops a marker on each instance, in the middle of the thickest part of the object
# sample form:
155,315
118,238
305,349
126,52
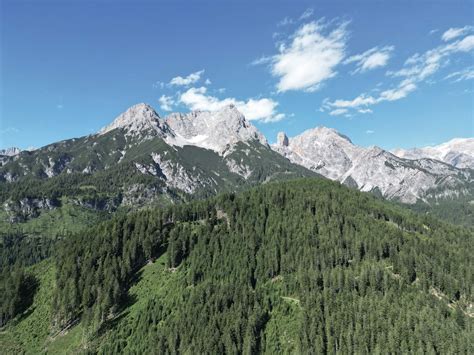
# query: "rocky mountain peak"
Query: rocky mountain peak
326,134
216,130
11,151
282,139
138,118
333,155
458,152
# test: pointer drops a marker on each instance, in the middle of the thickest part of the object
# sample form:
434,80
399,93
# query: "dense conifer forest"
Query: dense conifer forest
303,266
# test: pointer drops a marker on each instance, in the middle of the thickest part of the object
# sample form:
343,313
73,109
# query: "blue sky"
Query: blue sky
386,73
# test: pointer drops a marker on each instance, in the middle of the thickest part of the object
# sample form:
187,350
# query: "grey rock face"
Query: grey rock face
138,119
26,208
458,152
334,156
10,152
218,131
282,139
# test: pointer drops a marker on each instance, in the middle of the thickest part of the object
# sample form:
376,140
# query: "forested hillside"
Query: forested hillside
304,266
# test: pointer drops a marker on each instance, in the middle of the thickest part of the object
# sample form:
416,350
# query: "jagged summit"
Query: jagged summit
333,155
282,139
458,152
10,152
137,118
326,133
216,130
321,149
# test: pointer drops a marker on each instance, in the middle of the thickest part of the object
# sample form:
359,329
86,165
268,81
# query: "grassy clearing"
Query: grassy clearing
57,222
28,333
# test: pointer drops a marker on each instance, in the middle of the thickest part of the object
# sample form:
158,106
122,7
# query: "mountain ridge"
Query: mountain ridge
370,169
141,159
458,152
162,148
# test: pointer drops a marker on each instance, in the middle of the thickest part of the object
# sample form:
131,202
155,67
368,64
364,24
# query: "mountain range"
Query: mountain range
224,257
373,169
10,151
458,152
141,157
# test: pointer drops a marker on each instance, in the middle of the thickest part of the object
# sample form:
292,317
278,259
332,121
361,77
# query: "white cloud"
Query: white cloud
371,59
208,82
461,75
455,32
369,131
421,66
361,102
261,60
306,14
398,93
417,69
285,22
464,45
338,112
253,109
309,57
188,80
166,103
289,21
259,109
158,85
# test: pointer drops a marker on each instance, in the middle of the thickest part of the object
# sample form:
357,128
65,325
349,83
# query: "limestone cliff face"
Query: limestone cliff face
334,156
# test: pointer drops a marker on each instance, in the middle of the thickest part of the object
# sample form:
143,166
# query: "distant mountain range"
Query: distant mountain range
10,151
458,152
141,156
333,155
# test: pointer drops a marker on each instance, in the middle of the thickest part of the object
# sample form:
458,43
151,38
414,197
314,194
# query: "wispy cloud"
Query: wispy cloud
9,130
370,59
421,66
166,102
289,21
455,32
338,112
369,131
417,69
285,22
262,60
306,14
400,92
461,75
308,57
158,85
363,101
187,80
263,109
